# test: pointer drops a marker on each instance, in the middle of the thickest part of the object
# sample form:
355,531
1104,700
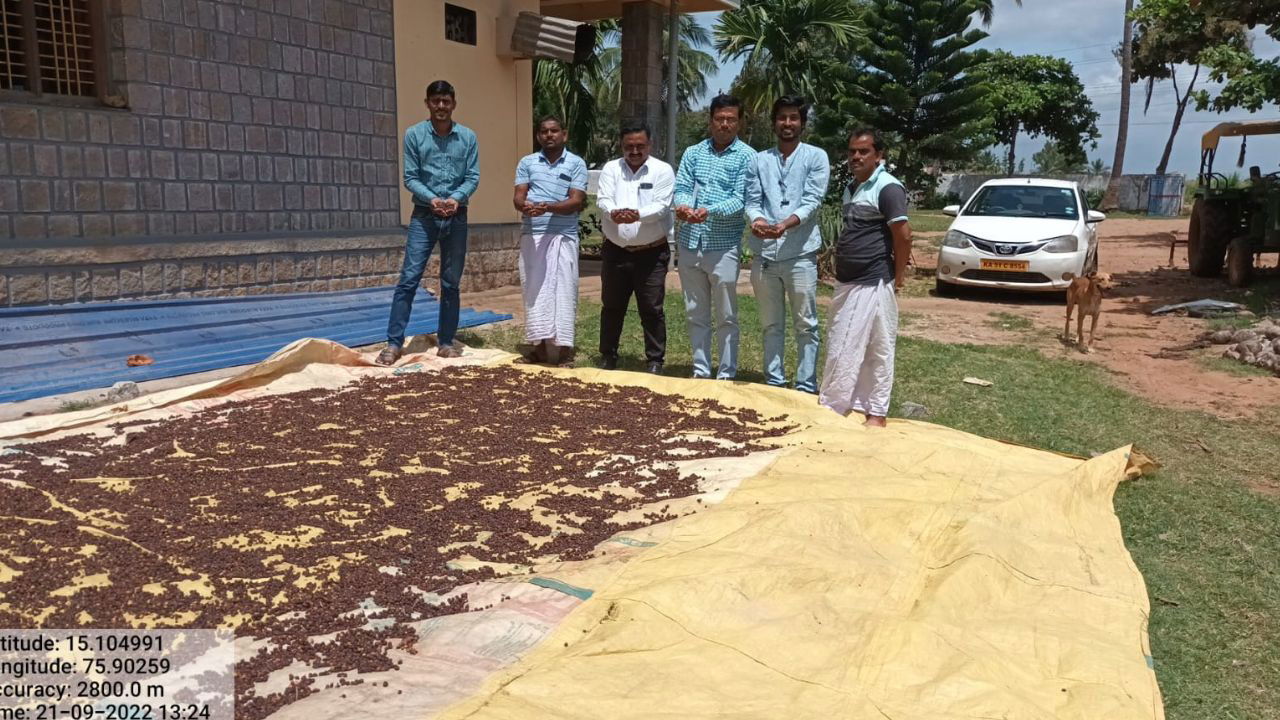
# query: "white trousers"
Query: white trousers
549,278
861,338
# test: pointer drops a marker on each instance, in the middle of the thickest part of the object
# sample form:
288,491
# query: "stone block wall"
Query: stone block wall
243,116
248,266
258,153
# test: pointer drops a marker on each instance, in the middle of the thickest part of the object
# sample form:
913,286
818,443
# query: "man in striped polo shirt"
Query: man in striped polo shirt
710,186
550,191
871,265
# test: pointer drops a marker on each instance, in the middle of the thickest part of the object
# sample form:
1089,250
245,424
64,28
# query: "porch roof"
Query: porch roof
587,10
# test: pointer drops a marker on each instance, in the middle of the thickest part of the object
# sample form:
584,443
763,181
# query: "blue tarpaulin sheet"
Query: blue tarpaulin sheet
56,349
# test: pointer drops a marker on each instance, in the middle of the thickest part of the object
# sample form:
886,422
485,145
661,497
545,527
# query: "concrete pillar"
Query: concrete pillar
642,24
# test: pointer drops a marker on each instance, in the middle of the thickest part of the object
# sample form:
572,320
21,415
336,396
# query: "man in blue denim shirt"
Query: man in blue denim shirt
785,187
442,171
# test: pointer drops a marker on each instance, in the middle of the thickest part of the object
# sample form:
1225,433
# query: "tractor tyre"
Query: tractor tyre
1239,262
1210,230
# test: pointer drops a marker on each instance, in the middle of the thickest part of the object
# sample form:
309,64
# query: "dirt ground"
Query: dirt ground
1130,339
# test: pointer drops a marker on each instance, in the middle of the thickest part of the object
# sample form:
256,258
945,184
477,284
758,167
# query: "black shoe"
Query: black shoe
609,363
653,368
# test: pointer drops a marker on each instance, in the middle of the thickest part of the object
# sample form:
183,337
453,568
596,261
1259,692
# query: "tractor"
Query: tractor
1233,223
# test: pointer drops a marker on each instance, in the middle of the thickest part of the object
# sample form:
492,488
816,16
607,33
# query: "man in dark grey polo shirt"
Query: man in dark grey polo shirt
871,265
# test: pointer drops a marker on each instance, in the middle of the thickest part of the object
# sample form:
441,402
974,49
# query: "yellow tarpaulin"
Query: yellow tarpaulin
913,573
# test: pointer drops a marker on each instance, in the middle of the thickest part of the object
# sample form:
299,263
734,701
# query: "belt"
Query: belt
660,242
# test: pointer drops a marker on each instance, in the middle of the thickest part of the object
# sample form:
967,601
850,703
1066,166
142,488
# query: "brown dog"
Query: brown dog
1086,293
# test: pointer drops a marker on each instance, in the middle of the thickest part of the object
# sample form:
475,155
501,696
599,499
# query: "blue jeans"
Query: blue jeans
709,280
425,230
777,284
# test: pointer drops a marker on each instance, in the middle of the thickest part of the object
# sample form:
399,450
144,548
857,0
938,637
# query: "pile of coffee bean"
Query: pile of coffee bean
342,512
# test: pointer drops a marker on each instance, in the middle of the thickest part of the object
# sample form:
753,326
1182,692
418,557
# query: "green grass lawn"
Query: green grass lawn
1232,367
1204,529
929,221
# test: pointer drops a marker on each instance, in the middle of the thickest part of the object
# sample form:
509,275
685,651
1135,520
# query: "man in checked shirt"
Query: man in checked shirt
709,193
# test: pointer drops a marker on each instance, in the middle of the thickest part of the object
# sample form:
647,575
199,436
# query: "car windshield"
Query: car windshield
1024,201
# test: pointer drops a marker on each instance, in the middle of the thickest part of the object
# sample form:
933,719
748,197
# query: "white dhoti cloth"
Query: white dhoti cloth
861,337
549,278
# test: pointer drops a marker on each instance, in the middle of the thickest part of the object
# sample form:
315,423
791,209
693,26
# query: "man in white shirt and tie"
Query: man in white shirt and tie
634,195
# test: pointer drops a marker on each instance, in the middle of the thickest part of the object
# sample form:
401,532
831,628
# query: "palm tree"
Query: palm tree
589,95
569,91
786,43
986,10
564,90
696,65
1111,200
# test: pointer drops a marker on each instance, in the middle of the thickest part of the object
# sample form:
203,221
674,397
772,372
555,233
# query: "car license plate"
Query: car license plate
1015,265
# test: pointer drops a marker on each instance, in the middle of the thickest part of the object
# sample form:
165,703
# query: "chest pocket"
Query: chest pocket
724,181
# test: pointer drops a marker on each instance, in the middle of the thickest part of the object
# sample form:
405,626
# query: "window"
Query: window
459,24
1024,201
53,46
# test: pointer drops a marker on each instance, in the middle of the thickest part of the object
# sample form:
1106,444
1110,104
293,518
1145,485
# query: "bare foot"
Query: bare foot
875,421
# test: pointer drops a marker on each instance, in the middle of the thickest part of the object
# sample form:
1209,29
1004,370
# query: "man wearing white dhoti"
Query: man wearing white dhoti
871,264
550,191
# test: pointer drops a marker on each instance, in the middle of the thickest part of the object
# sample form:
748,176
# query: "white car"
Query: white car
1019,234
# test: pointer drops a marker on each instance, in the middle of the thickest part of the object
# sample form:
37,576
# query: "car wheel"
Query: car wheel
945,289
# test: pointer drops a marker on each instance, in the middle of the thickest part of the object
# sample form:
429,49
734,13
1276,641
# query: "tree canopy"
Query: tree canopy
787,45
1052,160
1169,34
1251,81
1038,95
915,83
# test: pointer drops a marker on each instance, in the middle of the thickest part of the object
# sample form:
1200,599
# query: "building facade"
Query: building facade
191,148
236,148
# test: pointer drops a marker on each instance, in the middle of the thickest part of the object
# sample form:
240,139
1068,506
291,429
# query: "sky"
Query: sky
1084,32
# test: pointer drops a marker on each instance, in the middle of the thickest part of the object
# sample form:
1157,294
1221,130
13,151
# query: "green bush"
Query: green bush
1094,197
830,222
934,201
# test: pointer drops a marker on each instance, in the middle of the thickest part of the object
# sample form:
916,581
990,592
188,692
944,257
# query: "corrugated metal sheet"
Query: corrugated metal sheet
48,350
1164,195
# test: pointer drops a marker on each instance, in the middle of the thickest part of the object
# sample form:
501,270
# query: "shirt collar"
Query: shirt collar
775,151
542,155
626,167
853,186
733,146
453,129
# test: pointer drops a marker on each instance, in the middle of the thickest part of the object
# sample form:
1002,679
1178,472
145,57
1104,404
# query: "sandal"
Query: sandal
389,355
